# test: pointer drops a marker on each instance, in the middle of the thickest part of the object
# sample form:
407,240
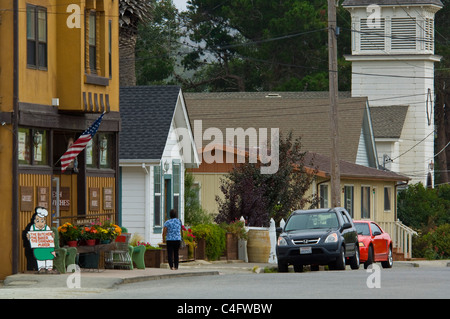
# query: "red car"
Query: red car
374,244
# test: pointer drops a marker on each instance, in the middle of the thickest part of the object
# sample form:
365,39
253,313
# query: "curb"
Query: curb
167,276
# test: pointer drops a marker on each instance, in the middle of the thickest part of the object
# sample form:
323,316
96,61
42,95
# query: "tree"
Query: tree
424,208
157,45
442,91
258,197
131,13
194,214
256,45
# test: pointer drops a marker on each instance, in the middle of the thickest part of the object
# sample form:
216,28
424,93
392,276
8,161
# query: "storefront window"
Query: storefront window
33,146
99,151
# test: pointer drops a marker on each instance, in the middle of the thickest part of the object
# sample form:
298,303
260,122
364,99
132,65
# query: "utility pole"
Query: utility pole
333,79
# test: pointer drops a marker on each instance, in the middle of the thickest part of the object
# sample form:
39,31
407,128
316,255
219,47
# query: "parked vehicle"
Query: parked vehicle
318,237
374,244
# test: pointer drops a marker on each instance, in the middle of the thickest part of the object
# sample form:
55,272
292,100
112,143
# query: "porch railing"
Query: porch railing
401,236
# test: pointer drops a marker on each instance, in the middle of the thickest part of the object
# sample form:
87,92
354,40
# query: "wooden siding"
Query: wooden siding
25,217
101,184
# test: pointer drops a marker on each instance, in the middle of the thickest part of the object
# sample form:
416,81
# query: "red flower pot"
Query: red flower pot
90,242
72,243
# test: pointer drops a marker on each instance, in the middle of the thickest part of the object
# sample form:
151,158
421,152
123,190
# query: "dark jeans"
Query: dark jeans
172,253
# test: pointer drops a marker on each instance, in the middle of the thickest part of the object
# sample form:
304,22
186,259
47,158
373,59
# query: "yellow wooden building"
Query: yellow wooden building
59,69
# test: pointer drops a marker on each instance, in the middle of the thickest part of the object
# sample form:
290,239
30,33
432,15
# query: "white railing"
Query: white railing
401,236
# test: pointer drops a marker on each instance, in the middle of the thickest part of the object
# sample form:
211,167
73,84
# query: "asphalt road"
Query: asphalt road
237,284
395,283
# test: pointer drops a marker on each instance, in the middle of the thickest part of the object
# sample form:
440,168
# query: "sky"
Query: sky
180,4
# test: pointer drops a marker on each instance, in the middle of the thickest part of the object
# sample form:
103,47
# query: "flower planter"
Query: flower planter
258,246
183,253
72,243
90,242
153,258
231,247
200,252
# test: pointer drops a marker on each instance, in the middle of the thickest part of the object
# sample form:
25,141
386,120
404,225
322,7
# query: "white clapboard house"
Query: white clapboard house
156,146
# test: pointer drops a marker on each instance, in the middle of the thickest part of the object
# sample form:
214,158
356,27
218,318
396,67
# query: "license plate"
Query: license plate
305,250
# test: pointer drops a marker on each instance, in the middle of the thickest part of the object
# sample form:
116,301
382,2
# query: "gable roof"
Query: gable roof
388,121
350,170
146,113
305,113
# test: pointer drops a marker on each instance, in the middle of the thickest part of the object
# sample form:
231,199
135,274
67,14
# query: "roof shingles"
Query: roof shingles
146,114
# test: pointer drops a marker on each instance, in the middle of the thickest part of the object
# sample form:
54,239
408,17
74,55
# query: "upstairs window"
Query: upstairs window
92,42
36,37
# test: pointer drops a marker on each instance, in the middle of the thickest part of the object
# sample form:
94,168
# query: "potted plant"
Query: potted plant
153,256
89,234
189,239
112,230
235,231
69,234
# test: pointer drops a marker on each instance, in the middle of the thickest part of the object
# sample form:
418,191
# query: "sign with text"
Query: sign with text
41,239
64,198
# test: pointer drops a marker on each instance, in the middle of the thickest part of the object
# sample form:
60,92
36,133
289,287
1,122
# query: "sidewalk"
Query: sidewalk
108,278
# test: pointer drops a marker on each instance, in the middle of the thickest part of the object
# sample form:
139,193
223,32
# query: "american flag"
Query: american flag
79,144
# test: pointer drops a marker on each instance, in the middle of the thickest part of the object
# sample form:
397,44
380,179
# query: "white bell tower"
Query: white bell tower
393,65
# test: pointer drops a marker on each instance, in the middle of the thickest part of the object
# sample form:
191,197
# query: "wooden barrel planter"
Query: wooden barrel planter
258,245
153,258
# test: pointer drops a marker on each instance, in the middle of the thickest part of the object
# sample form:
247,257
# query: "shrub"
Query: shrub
214,236
438,243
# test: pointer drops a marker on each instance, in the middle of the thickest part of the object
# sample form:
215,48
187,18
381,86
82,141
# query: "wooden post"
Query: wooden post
333,87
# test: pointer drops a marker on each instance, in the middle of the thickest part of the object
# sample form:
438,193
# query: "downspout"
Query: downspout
15,123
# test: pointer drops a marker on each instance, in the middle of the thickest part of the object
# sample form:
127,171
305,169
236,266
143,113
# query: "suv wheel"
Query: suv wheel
354,261
340,261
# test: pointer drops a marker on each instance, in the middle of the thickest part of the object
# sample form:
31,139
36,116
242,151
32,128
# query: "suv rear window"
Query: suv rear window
312,221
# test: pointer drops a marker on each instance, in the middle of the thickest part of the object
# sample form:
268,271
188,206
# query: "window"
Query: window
157,195
365,202
375,229
345,218
348,199
99,151
323,196
36,37
176,186
110,48
33,146
387,199
92,42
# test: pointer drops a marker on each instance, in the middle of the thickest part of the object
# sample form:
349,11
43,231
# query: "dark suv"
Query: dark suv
318,237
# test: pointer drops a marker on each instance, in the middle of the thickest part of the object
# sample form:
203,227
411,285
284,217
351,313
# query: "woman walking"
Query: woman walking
172,237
